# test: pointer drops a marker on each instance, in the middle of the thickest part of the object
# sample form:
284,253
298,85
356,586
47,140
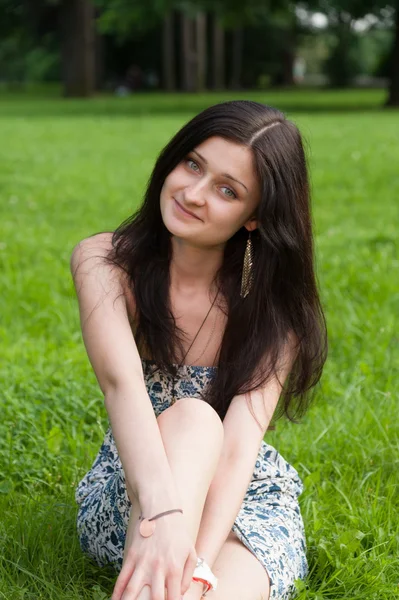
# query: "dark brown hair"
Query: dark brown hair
284,298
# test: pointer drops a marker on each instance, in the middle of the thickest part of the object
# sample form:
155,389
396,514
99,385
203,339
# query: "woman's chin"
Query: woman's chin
176,224
176,227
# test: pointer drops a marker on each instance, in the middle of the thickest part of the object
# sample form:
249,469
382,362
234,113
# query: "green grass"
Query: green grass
69,169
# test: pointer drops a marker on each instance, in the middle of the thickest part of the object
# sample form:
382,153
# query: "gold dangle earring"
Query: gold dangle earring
247,272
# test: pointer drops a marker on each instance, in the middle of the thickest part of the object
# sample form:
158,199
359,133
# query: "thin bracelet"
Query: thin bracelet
167,512
147,526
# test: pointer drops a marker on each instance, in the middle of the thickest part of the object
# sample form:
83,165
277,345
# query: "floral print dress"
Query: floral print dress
269,522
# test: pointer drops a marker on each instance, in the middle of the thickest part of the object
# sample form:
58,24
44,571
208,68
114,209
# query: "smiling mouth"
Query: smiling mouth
185,212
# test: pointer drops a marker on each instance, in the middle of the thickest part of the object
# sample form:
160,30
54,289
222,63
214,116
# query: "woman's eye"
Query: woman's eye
192,162
231,194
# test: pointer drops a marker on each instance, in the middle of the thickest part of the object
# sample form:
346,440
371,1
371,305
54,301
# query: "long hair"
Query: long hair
284,296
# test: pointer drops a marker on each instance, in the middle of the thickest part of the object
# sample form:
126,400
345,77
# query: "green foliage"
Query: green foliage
22,61
350,55
25,54
374,49
344,60
12,59
339,11
125,17
384,65
72,168
42,64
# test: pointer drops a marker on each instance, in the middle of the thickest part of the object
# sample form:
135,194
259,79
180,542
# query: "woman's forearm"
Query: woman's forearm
113,354
140,447
222,505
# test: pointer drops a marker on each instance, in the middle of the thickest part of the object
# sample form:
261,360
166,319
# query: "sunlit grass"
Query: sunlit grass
69,169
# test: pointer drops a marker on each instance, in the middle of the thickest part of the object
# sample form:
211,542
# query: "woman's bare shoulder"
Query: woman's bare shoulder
99,245
102,242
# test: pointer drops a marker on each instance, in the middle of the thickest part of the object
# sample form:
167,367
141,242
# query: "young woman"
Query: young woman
202,321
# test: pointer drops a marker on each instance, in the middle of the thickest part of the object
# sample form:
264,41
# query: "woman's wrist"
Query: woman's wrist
197,588
203,574
157,499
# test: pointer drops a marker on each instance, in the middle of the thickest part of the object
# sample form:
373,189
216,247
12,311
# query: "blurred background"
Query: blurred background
90,92
80,47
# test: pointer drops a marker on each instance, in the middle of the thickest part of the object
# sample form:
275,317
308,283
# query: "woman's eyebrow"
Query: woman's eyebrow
223,174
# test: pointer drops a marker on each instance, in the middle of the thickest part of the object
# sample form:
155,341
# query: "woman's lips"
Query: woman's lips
184,212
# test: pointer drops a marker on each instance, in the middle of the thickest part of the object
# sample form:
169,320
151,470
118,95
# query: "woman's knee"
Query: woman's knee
197,413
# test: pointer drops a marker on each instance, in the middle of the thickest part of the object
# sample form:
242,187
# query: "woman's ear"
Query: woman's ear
251,224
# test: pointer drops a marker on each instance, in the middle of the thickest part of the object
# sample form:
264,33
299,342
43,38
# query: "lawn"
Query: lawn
69,169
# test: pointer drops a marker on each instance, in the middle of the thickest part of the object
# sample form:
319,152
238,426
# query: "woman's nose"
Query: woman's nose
195,192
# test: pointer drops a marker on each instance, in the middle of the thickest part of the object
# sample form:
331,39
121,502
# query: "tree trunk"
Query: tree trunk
218,81
340,66
393,95
290,36
193,51
168,40
288,67
186,55
235,81
98,61
288,58
200,53
78,47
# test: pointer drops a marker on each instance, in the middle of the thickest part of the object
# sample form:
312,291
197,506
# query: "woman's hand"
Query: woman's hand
165,561
195,591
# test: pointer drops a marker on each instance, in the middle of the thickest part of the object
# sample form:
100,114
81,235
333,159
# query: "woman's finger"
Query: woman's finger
133,588
173,585
189,567
158,591
123,579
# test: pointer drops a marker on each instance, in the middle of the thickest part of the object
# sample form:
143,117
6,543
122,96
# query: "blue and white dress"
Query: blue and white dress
269,522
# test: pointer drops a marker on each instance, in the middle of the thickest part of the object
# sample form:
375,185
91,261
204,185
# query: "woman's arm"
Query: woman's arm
113,354
242,439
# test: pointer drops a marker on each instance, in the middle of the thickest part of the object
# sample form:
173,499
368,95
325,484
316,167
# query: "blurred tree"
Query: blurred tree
375,48
184,27
168,54
126,18
340,13
32,29
194,46
28,50
393,93
78,47
287,26
218,52
198,32
236,17
343,62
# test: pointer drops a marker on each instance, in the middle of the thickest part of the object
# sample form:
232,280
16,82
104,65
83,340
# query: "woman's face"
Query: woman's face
217,183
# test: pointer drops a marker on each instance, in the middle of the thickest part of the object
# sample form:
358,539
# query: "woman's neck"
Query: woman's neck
192,269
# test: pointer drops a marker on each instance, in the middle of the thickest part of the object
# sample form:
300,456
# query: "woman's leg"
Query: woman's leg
192,434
